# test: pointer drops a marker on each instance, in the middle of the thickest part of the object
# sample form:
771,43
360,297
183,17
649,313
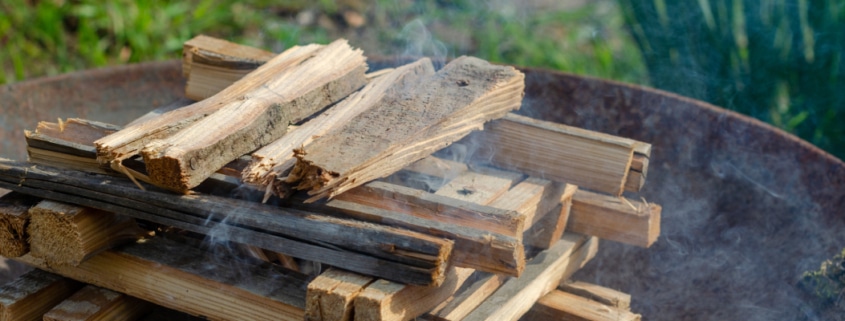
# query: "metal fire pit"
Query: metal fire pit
747,208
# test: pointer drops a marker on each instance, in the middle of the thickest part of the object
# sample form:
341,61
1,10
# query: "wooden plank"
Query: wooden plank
63,233
548,230
479,188
559,305
93,303
616,219
385,300
271,163
14,219
31,295
598,293
371,249
182,161
407,126
541,276
130,140
557,152
330,296
180,277
469,297
220,63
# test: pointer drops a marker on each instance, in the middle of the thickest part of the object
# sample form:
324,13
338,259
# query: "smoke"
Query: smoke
419,42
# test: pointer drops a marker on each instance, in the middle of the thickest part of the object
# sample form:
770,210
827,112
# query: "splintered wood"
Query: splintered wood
408,126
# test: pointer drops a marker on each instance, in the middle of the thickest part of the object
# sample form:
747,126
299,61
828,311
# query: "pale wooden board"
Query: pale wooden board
614,218
598,293
559,305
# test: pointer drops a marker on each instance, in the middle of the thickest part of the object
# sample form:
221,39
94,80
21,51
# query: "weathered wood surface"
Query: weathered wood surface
63,233
559,305
371,249
130,140
408,126
597,293
470,296
68,143
14,220
183,160
330,295
29,296
541,276
93,303
614,218
220,62
184,278
271,163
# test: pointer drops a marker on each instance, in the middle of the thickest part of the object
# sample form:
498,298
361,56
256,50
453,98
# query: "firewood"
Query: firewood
177,276
93,303
129,141
470,296
407,126
218,69
330,296
67,143
14,220
271,163
559,305
371,249
182,161
29,296
546,231
541,276
68,234
614,218
385,300
573,168
597,293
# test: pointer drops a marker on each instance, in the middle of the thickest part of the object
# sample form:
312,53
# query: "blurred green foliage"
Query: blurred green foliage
827,284
777,60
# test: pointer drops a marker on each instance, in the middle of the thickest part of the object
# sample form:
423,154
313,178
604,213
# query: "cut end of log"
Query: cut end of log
167,170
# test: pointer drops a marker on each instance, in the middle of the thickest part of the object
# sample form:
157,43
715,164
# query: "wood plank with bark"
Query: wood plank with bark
262,115
14,221
29,296
187,279
93,303
271,164
408,126
541,276
560,305
614,218
63,233
367,248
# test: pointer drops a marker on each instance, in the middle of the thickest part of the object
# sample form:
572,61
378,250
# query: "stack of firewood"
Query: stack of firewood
300,186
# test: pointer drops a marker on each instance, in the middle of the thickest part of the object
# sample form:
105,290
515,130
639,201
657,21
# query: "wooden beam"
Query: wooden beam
63,233
29,296
330,296
271,163
470,296
179,277
182,161
93,303
371,249
444,107
220,63
559,305
14,220
541,276
614,218
597,293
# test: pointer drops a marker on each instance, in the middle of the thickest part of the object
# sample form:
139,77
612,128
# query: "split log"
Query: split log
541,276
68,234
371,249
128,142
407,126
271,163
182,161
559,305
637,172
93,303
614,218
218,69
29,296
597,293
14,220
184,278
330,296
